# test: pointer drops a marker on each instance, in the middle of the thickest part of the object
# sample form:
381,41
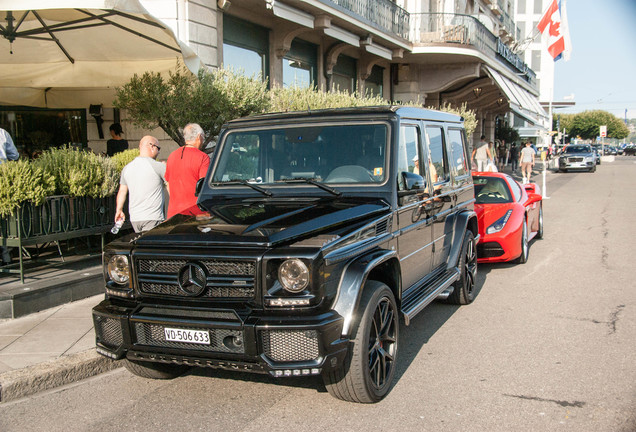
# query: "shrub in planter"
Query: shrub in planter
301,99
122,159
22,181
79,173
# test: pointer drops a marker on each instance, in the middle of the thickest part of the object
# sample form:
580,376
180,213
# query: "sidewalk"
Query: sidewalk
55,346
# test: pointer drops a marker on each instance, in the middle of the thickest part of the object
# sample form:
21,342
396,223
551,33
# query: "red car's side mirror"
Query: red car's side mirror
533,198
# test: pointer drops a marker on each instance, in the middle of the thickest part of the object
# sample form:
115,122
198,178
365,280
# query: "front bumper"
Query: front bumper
499,247
280,346
574,163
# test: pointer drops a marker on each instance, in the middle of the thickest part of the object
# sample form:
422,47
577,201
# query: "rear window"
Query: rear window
491,190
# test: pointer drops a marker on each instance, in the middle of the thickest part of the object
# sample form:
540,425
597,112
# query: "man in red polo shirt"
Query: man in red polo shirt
186,165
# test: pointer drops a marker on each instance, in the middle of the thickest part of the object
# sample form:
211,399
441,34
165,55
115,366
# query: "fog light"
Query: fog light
285,302
295,372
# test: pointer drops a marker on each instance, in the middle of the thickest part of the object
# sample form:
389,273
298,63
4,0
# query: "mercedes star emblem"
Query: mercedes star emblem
192,279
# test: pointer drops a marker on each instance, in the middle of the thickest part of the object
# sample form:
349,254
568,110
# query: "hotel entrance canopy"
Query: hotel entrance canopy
520,101
52,50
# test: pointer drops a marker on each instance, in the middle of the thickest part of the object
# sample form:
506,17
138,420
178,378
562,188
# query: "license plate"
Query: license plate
187,336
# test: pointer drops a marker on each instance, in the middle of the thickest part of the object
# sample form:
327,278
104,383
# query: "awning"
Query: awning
521,102
48,47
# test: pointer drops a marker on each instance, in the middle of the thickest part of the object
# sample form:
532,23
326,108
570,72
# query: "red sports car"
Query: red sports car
509,215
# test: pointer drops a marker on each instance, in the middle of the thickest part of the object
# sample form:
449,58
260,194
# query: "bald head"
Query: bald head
149,147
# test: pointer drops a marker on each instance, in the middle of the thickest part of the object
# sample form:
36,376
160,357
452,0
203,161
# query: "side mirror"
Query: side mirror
198,187
412,183
533,198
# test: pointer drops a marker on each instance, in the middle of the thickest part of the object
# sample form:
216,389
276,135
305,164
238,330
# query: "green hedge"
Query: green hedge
22,181
58,171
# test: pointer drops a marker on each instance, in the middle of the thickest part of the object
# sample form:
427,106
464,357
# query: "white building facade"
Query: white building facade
434,52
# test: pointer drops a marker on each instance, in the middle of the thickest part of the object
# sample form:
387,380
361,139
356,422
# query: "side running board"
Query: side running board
417,301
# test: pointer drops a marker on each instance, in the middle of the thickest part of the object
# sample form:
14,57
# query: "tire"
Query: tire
593,169
366,375
525,248
464,291
154,370
540,230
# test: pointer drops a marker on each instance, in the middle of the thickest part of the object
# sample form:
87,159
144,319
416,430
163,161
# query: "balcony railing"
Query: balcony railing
381,14
441,28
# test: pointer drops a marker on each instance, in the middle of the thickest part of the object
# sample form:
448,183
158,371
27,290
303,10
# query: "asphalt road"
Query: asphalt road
547,346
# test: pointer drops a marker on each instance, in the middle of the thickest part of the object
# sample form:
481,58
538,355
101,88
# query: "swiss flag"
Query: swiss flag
554,25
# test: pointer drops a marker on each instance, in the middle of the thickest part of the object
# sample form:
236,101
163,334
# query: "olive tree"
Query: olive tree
210,99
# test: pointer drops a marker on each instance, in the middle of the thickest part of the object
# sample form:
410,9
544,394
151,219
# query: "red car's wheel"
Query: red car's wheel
540,229
523,258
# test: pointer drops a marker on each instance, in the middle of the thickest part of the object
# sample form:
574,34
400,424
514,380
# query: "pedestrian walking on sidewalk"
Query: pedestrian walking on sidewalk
514,156
142,180
481,154
526,160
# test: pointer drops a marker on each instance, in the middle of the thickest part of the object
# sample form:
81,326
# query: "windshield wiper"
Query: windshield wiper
312,182
246,183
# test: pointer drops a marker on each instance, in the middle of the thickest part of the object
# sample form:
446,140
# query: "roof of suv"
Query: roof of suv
405,112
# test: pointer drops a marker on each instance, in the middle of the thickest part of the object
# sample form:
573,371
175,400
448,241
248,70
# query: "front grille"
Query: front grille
290,345
108,331
575,159
221,340
213,266
210,291
226,278
489,250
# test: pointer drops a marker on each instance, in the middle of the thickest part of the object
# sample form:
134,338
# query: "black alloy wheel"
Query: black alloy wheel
369,367
464,289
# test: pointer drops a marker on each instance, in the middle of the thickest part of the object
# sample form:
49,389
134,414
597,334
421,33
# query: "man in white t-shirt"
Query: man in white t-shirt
481,154
526,160
143,181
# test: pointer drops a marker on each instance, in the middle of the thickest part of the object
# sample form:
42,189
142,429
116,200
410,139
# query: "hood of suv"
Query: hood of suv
260,222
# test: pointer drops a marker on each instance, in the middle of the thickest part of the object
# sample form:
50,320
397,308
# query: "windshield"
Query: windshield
350,153
578,149
491,190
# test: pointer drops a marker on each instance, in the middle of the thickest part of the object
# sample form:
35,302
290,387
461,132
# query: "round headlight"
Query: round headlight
118,269
293,275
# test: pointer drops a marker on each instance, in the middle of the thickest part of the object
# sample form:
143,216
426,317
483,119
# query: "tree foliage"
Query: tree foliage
214,97
508,134
587,124
209,99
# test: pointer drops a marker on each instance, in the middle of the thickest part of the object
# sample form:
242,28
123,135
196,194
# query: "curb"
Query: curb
19,383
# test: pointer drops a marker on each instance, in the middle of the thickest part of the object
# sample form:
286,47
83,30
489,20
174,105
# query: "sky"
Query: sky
601,72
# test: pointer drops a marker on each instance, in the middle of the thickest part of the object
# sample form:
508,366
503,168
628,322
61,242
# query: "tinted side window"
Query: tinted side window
437,153
408,152
459,164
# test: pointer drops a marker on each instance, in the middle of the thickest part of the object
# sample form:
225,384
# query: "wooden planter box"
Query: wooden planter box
60,217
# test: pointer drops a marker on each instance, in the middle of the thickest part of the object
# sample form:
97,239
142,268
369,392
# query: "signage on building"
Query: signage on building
504,51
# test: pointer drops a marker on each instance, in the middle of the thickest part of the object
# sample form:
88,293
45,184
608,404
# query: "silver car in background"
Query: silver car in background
577,157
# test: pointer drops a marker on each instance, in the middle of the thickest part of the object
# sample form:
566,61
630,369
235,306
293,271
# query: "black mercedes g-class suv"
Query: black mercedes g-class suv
313,233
